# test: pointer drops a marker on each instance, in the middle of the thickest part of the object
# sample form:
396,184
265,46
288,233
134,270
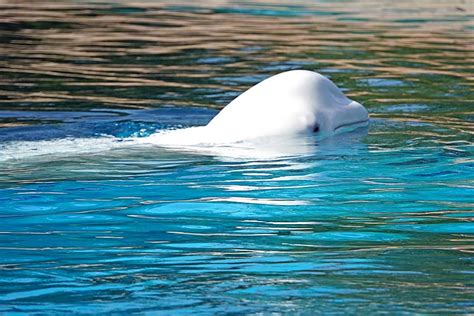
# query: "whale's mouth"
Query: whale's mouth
352,125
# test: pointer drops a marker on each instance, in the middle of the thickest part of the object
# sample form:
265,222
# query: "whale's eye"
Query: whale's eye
316,128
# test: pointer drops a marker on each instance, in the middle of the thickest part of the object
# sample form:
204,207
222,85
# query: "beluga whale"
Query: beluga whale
276,118
286,105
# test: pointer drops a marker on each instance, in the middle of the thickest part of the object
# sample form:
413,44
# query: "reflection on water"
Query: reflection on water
359,223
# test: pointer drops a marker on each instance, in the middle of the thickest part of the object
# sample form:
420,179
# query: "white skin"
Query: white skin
266,121
285,105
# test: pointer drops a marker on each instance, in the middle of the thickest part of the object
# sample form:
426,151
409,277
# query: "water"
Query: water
377,220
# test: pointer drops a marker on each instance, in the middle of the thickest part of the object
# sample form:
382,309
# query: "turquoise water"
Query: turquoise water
376,220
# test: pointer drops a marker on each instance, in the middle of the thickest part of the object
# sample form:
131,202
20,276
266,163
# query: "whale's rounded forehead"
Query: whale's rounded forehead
303,83
300,86
307,74
295,78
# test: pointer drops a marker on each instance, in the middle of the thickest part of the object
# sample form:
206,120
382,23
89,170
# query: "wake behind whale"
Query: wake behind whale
271,119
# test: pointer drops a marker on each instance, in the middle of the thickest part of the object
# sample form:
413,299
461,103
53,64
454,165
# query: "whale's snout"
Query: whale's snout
352,116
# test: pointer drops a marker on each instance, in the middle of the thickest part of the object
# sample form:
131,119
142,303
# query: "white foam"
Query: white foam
258,149
21,150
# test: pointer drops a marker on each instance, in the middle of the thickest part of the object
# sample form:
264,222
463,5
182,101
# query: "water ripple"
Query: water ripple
377,220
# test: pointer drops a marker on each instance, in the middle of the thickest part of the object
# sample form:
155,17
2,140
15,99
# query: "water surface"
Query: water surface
378,220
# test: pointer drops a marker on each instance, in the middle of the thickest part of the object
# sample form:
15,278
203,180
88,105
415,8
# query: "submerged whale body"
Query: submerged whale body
285,105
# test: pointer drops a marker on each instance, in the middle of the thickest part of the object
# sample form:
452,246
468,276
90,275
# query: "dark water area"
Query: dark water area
375,221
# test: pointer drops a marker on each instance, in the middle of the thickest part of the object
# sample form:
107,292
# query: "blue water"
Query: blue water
378,220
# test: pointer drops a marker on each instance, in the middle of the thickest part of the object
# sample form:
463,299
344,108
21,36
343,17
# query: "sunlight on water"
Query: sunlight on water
96,220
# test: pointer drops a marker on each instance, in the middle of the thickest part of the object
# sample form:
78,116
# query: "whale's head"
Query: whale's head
290,103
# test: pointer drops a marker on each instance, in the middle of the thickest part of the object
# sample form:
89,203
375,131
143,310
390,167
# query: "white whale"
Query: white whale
268,121
286,105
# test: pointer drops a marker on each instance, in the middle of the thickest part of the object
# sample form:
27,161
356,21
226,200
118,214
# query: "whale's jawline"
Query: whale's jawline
351,124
